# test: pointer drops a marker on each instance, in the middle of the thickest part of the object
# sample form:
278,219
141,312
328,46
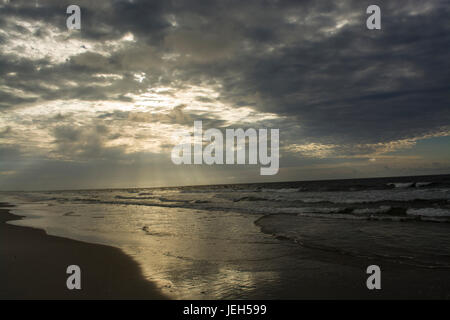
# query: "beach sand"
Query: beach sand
33,266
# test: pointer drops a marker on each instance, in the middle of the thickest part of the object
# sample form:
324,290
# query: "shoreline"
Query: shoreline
33,266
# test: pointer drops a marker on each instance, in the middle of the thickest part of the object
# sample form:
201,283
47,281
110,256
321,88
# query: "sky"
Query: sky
103,106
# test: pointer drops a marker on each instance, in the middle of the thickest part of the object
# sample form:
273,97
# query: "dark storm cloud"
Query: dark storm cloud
102,20
355,85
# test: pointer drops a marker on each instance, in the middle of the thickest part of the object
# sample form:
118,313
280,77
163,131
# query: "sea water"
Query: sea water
255,240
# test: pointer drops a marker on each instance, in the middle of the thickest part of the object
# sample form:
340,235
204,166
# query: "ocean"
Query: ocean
257,240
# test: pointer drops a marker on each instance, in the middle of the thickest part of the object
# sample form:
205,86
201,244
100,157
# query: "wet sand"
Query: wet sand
33,266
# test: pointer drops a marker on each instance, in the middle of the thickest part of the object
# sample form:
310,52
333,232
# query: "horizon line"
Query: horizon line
227,184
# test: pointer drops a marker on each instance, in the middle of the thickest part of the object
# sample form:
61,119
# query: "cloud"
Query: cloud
138,71
85,143
5,131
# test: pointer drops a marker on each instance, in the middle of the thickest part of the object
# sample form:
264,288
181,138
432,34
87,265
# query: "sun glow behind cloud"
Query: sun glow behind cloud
150,122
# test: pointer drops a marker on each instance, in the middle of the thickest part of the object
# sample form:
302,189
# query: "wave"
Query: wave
71,214
423,184
174,200
147,231
430,205
134,198
385,199
380,210
312,237
199,201
251,198
429,212
403,185
282,190
382,213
